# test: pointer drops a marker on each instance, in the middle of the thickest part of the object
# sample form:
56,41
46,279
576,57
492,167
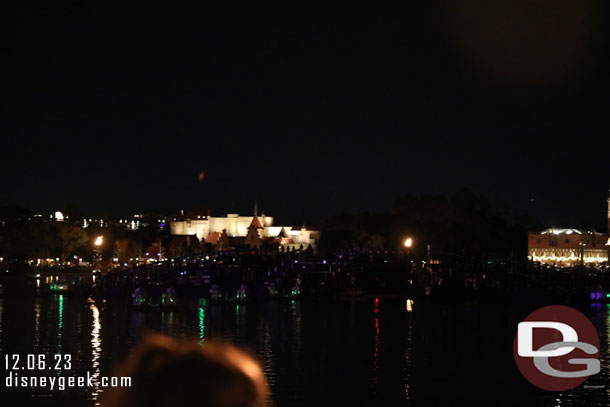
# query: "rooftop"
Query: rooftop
568,231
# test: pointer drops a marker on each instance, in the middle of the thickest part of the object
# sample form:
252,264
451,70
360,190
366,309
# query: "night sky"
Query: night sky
117,108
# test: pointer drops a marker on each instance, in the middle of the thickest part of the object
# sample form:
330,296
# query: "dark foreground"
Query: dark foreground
336,353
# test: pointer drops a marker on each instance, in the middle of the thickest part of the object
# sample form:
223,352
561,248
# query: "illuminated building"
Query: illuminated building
569,247
253,229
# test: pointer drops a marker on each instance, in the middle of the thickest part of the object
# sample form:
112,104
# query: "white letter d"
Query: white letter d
525,338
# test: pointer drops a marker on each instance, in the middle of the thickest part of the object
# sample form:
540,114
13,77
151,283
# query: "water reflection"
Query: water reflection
201,324
60,325
409,305
96,349
266,355
36,326
1,331
558,400
237,323
375,377
170,323
295,309
314,353
408,376
604,354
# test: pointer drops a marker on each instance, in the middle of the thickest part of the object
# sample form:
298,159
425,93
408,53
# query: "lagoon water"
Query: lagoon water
343,353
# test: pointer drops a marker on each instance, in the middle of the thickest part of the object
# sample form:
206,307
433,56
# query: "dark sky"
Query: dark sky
116,108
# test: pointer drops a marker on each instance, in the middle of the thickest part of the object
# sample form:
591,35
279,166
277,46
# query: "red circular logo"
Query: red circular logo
556,348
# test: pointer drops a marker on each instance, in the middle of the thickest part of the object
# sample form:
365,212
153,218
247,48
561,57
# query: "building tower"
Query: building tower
609,212
253,238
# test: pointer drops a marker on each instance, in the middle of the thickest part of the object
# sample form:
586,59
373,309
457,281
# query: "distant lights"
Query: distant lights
600,258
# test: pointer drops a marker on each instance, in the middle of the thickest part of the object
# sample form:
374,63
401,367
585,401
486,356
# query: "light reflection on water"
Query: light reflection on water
1,331
409,344
266,354
358,353
36,327
60,325
605,354
375,377
201,324
96,349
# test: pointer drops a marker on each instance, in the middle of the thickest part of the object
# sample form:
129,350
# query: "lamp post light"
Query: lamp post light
97,252
408,244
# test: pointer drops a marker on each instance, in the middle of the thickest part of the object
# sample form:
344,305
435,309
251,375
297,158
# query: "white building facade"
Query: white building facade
199,222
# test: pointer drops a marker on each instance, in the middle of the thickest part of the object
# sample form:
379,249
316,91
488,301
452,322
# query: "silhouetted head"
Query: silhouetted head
171,373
